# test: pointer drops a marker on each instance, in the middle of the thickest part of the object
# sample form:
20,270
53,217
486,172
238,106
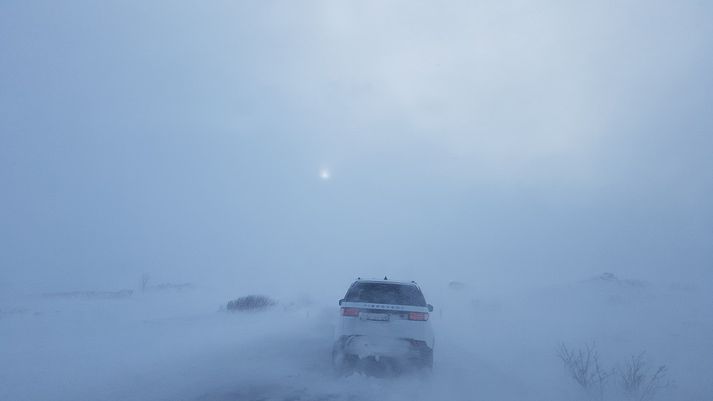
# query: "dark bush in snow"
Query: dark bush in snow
639,381
456,285
250,302
613,279
584,367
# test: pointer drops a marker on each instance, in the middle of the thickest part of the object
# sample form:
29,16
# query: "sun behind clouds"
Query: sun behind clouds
324,174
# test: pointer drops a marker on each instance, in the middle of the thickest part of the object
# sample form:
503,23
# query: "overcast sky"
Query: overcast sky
500,141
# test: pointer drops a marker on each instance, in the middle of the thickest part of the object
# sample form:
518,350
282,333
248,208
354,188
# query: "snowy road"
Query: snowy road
179,347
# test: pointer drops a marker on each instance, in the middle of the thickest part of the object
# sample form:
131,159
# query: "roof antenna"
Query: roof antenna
385,278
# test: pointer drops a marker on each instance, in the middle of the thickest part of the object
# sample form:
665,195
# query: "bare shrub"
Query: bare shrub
584,367
144,281
639,381
250,302
637,378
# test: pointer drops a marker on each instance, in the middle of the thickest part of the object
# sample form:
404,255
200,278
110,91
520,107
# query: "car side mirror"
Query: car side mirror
340,301
430,307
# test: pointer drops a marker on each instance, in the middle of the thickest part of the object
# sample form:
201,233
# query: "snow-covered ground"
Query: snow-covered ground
177,345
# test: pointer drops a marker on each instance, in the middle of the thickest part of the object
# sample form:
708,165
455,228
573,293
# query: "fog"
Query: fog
542,169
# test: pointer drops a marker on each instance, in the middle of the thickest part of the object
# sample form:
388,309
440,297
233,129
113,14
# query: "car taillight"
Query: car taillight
422,316
350,311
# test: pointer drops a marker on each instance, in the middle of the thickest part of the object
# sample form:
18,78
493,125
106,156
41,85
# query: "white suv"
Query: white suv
383,319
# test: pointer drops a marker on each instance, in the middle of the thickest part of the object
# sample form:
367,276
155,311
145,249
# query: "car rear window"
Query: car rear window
383,293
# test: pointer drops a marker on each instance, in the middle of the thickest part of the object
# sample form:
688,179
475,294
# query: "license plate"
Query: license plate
374,316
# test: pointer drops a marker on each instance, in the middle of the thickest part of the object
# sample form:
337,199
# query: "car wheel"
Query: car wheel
342,362
427,359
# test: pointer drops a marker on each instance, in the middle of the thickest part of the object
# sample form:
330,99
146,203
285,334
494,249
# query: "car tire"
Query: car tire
342,362
427,359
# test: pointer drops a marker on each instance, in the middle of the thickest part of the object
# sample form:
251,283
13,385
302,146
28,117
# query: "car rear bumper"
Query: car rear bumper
364,346
384,332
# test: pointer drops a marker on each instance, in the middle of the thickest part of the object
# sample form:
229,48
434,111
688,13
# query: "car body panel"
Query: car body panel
383,330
